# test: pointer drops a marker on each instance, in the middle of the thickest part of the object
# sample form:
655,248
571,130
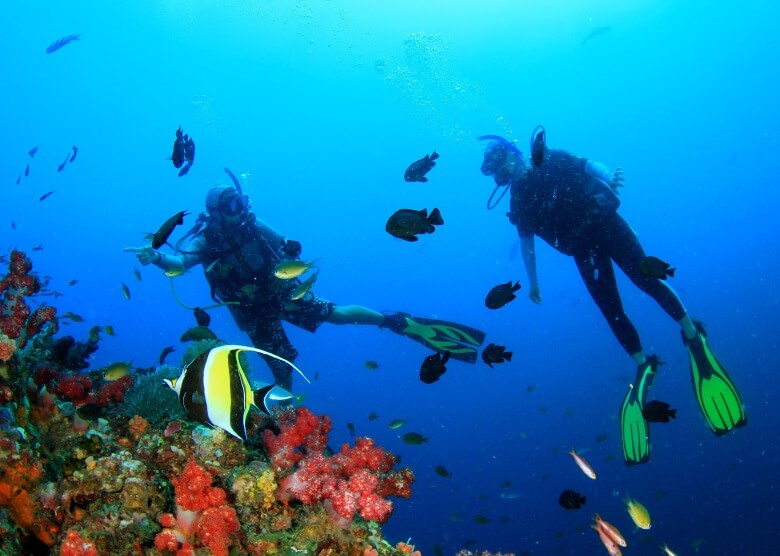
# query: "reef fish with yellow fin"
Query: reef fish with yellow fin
214,390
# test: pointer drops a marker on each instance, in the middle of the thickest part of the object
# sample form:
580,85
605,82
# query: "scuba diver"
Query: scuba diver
571,203
240,254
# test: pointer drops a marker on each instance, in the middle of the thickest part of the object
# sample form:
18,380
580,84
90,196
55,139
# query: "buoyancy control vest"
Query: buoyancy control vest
560,202
239,263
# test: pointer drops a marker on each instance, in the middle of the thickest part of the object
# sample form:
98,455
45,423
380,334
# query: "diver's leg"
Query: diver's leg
270,336
599,277
355,314
627,252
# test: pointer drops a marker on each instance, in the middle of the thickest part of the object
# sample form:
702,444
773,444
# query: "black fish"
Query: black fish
417,169
502,294
202,317
658,412
75,152
59,43
185,169
189,149
161,236
405,224
570,500
494,353
46,196
26,170
91,411
351,429
433,367
178,148
442,471
600,30
32,151
18,180
656,268
165,352
61,167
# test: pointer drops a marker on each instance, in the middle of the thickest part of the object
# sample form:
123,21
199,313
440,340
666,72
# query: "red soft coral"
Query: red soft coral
216,527
76,545
74,389
356,480
194,491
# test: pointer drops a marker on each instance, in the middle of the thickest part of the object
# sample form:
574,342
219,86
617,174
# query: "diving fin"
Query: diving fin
634,430
438,335
717,395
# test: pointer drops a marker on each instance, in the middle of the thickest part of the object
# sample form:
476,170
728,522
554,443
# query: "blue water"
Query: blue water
321,106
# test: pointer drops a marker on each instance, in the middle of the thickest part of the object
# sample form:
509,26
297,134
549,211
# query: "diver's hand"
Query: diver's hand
145,254
617,179
291,248
535,294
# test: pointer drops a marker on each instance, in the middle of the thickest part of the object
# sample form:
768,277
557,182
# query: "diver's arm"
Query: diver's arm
528,249
147,255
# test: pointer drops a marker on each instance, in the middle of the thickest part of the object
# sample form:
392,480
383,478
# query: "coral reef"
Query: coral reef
90,466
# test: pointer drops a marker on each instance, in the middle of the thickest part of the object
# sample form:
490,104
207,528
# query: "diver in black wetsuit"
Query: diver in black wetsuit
571,203
239,253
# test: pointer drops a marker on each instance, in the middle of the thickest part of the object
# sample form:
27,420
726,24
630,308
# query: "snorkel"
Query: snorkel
491,170
234,179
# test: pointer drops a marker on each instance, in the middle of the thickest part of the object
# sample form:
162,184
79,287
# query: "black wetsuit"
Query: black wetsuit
577,215
240,265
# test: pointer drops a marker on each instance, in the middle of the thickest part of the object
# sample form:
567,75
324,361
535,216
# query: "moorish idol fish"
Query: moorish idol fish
214,390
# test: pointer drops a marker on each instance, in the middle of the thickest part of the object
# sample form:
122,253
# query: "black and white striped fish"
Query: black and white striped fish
214,390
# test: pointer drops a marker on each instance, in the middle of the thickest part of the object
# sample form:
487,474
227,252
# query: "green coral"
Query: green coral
150,398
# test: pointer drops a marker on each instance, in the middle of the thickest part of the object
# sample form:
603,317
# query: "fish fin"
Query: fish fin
445,357
422,179
264,394
435,217
670,272
408,238
434,155
269,354
508,355
516,287
673,413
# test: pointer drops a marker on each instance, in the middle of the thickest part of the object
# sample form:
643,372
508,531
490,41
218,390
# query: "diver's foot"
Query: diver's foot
395,321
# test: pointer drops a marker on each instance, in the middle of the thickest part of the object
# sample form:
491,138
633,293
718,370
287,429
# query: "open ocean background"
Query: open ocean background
321,105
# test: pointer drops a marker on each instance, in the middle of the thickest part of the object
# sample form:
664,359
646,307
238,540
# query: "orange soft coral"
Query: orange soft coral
16,481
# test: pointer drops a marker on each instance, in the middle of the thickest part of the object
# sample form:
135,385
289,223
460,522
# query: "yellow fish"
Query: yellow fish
287,270
638,513
583,464
175,271
667,550
304,288
117,370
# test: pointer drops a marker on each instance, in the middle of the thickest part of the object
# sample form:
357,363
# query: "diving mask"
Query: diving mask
232,204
